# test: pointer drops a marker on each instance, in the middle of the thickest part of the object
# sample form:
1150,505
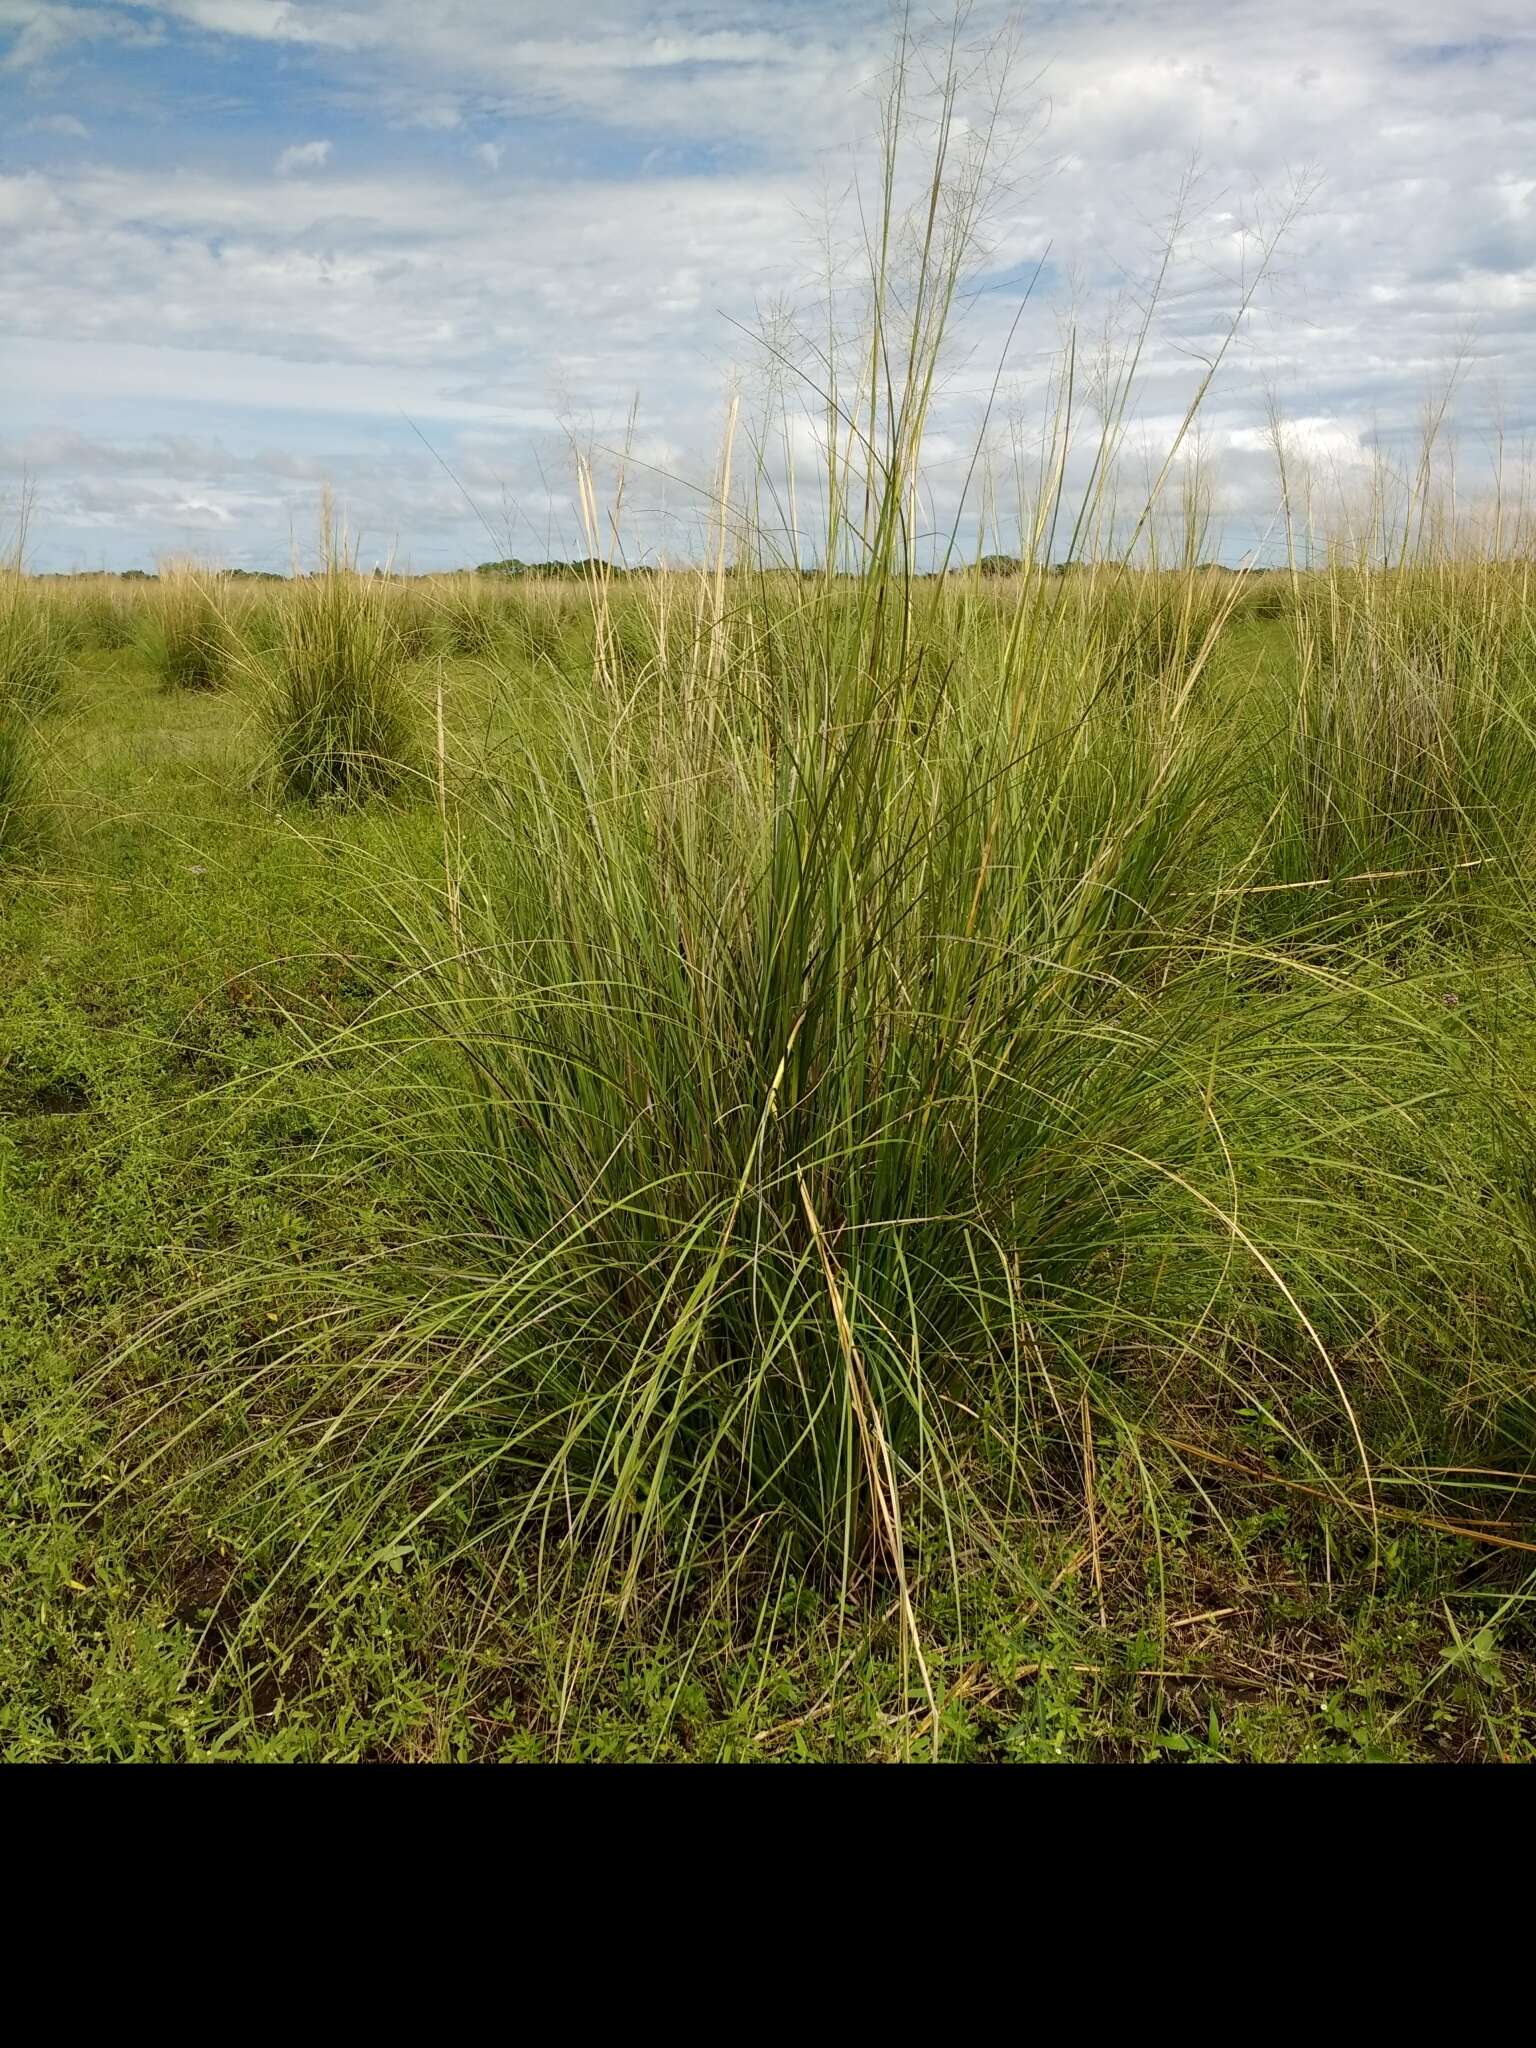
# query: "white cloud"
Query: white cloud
438,114
658,163
58,124
279,21
42,30
303,156
29,203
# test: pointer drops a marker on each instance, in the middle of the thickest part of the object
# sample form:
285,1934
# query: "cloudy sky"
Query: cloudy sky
251,245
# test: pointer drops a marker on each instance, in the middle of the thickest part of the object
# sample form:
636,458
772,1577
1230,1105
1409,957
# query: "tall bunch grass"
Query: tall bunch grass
471,617
18,781
338,715
188,633
34,658
831,1074
541,617
1410,749
103,617
33,661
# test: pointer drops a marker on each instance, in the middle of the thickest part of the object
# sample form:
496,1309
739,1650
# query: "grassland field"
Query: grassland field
1197,1425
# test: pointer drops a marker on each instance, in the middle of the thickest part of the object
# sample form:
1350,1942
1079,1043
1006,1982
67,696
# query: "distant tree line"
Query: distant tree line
149,576
585,568
582,570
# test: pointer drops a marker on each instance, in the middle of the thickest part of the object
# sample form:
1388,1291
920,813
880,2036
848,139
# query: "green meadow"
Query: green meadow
732,1164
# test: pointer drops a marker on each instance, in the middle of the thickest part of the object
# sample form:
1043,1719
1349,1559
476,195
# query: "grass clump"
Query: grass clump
338,717
415,617
188,633
34,657
18,778
470,616
539,623
834,1087
107,616
1406,761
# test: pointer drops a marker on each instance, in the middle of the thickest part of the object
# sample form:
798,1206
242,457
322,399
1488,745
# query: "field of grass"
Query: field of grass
782,1158
740,1165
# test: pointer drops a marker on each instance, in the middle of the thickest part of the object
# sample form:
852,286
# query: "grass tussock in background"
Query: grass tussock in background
1411,745
107,617
336,707
189,635
34,660
18,781
471,617
34,652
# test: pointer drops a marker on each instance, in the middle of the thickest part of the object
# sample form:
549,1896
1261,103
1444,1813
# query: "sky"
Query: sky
422,250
